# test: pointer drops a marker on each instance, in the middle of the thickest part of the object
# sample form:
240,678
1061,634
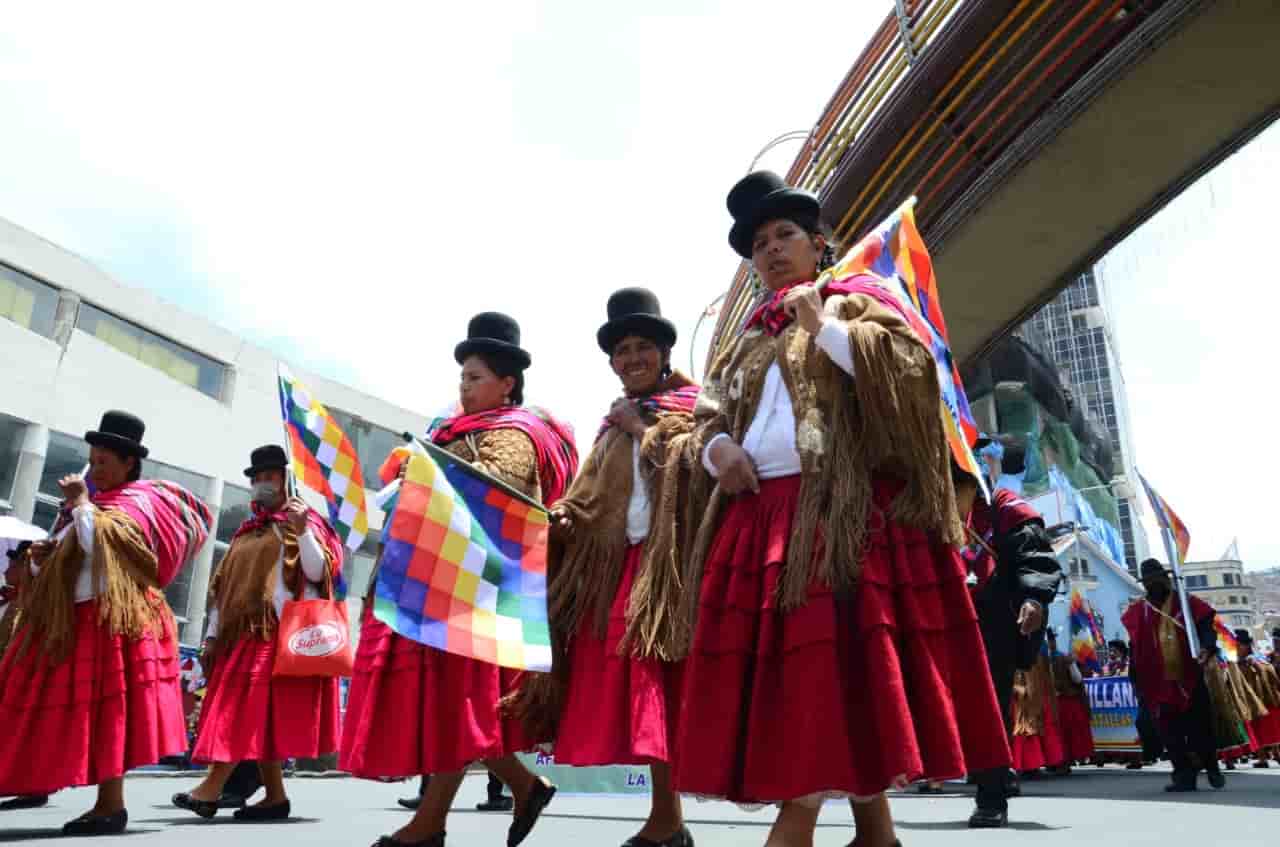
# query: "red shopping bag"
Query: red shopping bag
314,638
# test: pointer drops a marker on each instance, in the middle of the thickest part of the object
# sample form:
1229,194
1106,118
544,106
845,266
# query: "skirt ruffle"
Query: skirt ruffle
249,716
847,694
619,710
114,704
415,710
1077,735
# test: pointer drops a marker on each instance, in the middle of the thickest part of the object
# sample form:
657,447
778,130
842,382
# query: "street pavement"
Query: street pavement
1095,807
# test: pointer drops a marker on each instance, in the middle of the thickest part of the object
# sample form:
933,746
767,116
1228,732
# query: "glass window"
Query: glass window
27,301
45,514
372,443
67,455
235,511
178,592
11,432
186,366
1197,581
193,482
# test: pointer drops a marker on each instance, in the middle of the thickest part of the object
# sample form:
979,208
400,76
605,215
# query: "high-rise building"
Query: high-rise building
1075,332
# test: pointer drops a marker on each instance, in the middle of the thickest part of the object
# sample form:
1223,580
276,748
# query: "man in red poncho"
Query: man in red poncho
1170,683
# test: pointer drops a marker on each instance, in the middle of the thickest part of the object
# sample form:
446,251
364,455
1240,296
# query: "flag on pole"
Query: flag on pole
896,255
324,459
1169,520
464,565
1227,640
1083,644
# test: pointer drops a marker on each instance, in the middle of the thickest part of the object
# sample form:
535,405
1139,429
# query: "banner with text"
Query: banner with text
1113,708
611,779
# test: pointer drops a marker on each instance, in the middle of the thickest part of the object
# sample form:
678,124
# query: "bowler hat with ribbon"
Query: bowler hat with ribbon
761,197
493,333
121,432
1244,637
270,457
635,311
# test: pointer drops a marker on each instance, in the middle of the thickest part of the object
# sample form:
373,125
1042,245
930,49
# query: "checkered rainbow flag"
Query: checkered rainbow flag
324,459
464,565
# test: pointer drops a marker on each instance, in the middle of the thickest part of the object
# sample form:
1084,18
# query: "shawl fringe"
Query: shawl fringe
124,569
243,589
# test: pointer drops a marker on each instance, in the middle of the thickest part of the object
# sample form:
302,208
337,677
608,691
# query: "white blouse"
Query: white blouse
638,506
82,521
770,440
311,557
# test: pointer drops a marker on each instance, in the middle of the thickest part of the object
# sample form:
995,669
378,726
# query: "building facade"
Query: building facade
1222,584
74,343
1075,332
1105,583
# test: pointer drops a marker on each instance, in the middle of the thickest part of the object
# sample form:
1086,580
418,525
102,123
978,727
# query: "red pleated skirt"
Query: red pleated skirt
619,710
413,710
1045,750
248,716
846,694
112,705
1266,729
1077,735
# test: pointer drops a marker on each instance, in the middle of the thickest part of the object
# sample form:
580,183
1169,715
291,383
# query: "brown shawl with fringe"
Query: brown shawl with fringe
243,589
1033,693
1265,681
885,419
587,567
125,571
1248,699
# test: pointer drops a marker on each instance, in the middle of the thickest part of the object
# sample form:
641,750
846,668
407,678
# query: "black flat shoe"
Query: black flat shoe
988,819
681,838
28,801
1180,787
1216,780
539,797
203,808
231,801
90,824
496,804
277,812
436,840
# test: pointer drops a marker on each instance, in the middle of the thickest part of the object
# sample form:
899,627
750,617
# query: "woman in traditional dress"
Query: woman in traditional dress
836,649
1073,710
615,592
416,710
89,685
1264,729
1037,729
284,551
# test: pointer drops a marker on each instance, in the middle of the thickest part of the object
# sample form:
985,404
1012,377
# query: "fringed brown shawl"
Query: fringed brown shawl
885,419
1033,693
1262,676
125,572
243,589
587,568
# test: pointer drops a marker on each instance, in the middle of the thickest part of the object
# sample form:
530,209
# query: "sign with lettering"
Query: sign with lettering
611,779
1113,708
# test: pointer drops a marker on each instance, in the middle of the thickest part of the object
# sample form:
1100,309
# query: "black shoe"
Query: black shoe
926,788
436,840
203,808
1180,786
231,801
538,799
89,824
411,803
1216,780
276,812
988,818
501,803
35,801
681,838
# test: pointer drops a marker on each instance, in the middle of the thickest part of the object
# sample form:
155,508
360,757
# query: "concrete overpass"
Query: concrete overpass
1036,133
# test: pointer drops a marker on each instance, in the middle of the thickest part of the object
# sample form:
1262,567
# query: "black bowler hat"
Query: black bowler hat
761,197
16,552
635,311
268,458
1243,636
119,431
493,332
1151,569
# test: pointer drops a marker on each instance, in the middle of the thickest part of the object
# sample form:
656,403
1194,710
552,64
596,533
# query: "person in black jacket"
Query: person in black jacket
1018,577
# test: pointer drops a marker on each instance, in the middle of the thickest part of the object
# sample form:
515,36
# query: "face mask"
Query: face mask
265,493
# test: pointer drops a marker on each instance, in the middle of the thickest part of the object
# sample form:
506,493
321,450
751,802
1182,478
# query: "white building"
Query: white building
74,343
1222,584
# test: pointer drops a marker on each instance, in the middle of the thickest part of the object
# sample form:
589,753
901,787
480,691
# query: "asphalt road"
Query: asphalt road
1096,807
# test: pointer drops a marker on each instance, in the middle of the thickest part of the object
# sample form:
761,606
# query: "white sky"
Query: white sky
349,188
